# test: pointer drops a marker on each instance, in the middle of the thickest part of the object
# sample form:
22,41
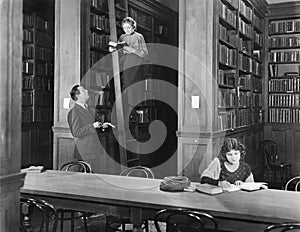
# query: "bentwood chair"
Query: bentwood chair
180,220
77,166
37,214
293,184
272,164
283,227
137,171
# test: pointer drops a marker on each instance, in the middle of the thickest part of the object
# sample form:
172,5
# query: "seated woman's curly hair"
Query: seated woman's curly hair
231,144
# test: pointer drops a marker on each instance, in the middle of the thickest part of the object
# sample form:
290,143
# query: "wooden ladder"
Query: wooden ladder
126,159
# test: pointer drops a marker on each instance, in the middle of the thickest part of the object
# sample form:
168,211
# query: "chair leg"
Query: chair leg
61,221
85,223
281,178
72,221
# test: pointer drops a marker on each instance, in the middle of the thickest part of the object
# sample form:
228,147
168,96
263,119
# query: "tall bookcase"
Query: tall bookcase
240,64
37,87
282,86
284,68
158,25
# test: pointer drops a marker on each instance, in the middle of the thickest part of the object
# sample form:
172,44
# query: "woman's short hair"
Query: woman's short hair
232,144
130,21
74,91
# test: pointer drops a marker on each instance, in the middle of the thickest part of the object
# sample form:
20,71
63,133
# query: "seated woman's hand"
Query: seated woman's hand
128,49
224,184
238,182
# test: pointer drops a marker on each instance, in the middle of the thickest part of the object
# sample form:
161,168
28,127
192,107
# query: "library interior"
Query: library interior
87,104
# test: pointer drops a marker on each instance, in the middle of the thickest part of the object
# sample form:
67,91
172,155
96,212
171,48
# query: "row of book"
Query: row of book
226,98
245,99
226,120
100,4
244,117
257,100
227,77
284,70
284,41
245,28
227,14
99,41
283,100
95,56
44,69
227,35
281,115
245,10
257,68
245,46
227,55
44,54
28,52
245,63
258,38
284,85
101,98
28,20
32,82
100,22
245,82
284,56
27,36
233,3
257,54
27,67
284,26
141,18
38,97
257,115
43,114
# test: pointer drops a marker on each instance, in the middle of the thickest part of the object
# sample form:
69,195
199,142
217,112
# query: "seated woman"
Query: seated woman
228,168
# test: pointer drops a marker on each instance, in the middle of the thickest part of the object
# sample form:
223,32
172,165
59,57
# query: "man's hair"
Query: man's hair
130,21
74,91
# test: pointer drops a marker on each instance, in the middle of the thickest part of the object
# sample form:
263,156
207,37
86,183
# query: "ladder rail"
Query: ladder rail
117,85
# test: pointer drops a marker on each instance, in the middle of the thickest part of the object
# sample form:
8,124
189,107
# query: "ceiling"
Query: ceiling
281,1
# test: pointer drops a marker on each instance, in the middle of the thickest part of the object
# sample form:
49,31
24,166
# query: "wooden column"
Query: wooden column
66,74
196,43
10,113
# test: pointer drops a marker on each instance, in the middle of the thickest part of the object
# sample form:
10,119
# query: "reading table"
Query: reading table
141,198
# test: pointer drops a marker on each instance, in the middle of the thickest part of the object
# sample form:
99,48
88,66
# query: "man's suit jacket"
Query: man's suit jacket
81,121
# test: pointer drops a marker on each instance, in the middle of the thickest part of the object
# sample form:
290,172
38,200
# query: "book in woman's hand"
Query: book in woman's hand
116,45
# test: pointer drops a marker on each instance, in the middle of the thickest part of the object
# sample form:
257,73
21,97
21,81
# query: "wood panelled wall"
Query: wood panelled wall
10,113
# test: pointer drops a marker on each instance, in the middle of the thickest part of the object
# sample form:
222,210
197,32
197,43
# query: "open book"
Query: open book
247,186
116,45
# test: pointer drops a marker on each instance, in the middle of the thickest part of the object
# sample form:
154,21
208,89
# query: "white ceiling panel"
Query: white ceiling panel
280,1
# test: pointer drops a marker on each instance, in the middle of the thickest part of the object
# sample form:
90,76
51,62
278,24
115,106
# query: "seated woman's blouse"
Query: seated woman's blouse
217,171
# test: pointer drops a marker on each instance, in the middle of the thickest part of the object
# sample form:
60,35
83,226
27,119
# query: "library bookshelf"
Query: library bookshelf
37,87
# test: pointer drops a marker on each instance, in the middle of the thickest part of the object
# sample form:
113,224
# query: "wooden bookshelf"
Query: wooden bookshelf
240,64
37,85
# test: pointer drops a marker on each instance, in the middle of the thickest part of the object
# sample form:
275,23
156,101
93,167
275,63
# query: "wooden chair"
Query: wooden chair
273,165
77,166
283,227
180,220
38,211
137,171
293,183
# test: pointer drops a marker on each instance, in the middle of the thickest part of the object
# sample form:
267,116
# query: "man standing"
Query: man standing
81,120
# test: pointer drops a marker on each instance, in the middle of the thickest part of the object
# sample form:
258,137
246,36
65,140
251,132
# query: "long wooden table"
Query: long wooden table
140,197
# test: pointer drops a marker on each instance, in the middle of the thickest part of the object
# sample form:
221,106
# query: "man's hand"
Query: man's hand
238,182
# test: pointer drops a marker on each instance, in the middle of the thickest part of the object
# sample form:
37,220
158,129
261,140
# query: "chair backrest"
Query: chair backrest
45,215
138,171
283,227
270,149
176,220
293,184
79,164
